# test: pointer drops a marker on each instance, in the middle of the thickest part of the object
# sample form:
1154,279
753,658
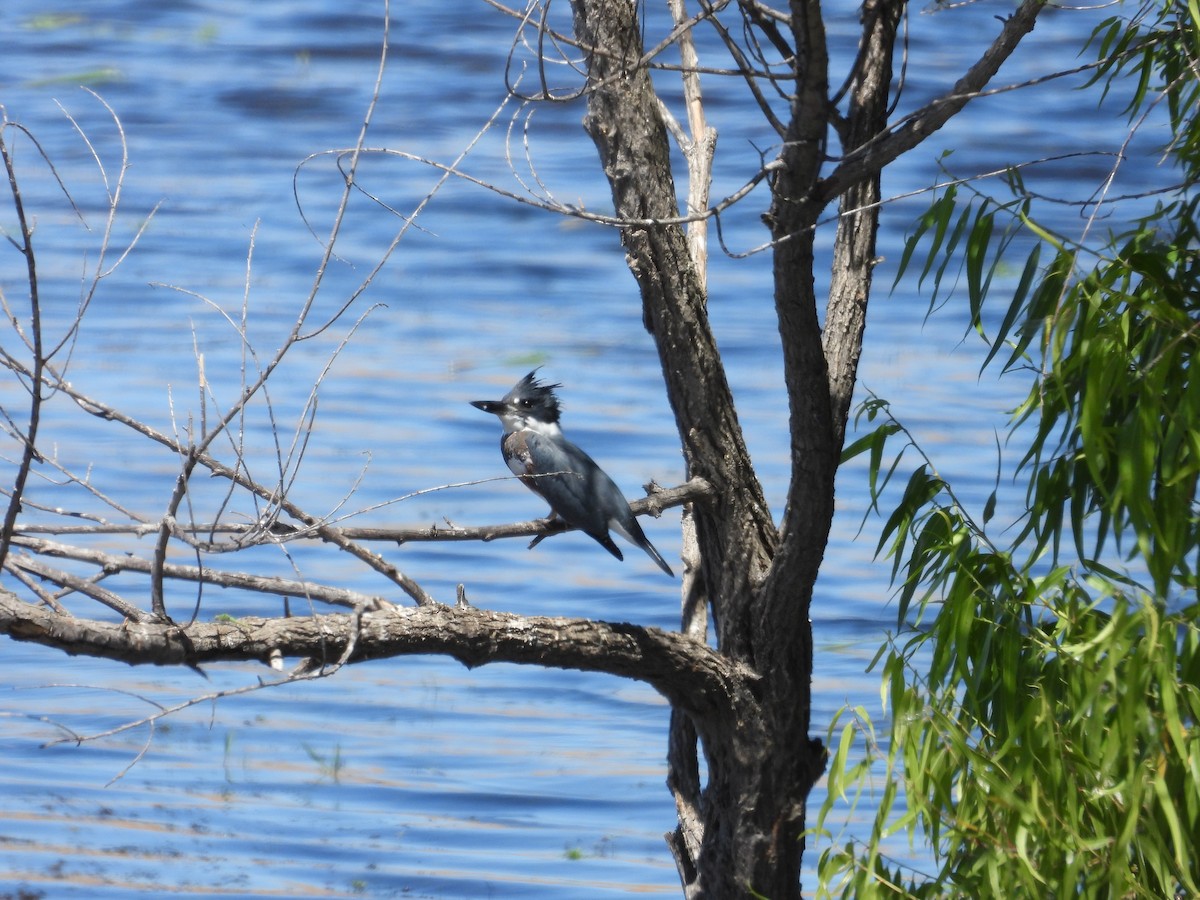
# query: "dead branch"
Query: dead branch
654,504
25,247
684,670
113,563
870,158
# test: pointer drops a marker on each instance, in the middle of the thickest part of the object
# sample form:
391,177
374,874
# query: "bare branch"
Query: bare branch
661,499
854,257
112,563
29,451
872,157
75,583
216,467
685,671
698,145
113,190
748,73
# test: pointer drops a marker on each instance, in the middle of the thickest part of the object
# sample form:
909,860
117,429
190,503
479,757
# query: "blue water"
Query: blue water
414,777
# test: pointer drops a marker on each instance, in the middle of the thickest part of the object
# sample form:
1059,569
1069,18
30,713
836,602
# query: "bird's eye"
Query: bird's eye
525,403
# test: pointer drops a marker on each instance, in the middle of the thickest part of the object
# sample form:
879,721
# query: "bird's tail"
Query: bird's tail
655,555
632,532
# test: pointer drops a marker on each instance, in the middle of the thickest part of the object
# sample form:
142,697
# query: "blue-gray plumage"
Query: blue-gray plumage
578,490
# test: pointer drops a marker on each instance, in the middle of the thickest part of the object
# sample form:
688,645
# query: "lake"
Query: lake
414,777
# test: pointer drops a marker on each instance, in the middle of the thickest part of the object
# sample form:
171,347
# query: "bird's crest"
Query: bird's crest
531,394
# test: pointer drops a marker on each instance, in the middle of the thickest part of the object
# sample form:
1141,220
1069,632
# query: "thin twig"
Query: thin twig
82,585
112,563
29,451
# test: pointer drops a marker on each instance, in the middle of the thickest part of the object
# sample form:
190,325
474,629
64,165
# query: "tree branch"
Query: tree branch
873,157
654,504
858,220
113,563
85,586
237,475
29,451
683,670
735,530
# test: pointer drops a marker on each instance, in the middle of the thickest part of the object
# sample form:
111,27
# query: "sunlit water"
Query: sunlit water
415,777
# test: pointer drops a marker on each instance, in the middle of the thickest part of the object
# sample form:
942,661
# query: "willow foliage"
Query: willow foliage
1044,688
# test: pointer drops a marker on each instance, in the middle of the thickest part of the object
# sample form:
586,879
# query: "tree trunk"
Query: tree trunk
742,832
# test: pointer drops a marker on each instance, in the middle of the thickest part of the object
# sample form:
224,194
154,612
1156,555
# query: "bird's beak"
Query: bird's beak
495,407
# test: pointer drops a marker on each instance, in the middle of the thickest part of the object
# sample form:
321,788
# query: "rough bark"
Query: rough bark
623,120
692,676
742,831
854,256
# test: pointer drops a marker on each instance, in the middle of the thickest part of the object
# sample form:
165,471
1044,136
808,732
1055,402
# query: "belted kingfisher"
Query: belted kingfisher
578,490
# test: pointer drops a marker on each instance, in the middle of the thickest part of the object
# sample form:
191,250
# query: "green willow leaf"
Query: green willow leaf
1044,682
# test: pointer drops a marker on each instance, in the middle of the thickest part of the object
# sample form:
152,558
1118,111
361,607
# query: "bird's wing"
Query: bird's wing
574,486
579,491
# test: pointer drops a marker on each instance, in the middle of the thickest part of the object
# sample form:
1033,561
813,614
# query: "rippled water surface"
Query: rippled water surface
415,777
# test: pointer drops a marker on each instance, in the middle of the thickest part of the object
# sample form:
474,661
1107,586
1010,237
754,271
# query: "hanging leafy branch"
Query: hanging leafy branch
1044,682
